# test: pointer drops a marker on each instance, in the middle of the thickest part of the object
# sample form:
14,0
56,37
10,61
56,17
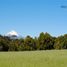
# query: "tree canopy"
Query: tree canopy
43,42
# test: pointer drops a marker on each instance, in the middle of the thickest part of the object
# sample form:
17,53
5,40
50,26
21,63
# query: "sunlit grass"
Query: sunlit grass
49,58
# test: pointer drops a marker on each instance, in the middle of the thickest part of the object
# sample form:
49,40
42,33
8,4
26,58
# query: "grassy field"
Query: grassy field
52,58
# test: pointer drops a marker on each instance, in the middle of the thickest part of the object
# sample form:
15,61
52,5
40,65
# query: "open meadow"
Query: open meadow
47,58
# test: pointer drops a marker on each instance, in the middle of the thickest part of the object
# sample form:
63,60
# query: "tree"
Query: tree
21,45
45,41
29,43
41,41
36,44
59,42
4,42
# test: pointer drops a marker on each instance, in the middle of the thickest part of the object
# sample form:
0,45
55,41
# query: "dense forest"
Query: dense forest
44,42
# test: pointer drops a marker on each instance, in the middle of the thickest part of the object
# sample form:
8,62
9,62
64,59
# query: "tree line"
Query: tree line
44,42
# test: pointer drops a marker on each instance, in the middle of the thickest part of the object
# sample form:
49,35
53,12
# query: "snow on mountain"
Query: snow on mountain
12,33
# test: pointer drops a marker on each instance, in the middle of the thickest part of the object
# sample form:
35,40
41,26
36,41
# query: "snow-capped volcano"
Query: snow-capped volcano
12,33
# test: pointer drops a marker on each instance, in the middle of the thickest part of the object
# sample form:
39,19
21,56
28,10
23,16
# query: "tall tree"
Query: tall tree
45,41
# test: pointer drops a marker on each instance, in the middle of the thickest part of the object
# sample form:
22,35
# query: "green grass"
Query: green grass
48,58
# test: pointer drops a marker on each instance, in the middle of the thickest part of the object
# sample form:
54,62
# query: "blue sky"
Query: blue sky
30,17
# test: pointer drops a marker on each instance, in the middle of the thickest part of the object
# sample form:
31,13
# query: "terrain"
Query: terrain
47,58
